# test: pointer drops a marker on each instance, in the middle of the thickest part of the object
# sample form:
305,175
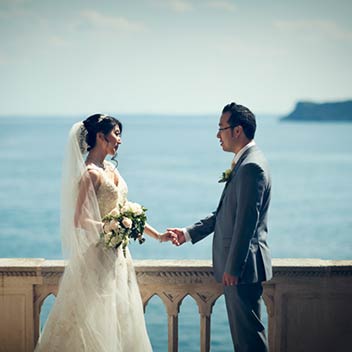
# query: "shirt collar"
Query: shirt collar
240,153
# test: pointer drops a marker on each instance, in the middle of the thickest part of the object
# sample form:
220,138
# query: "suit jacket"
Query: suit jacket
240,222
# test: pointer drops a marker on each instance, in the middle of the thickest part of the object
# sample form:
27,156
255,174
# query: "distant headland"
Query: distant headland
309,111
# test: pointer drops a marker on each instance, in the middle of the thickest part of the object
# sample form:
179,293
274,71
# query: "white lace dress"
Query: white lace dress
98,307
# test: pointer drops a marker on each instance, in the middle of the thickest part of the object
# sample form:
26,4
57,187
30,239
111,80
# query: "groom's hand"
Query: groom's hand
229,280
179,238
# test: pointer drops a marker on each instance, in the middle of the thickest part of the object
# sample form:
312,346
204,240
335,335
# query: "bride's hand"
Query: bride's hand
167,236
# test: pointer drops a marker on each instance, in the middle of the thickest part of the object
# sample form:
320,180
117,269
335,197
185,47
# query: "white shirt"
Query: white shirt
234,161
240,153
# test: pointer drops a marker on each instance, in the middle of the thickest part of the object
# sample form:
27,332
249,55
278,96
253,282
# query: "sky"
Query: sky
172,56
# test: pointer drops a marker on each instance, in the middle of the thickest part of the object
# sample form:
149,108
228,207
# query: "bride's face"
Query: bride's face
113,140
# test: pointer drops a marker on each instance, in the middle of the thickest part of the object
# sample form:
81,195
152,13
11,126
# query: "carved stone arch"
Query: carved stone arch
146,295
172,300
39,296
206,299
41,293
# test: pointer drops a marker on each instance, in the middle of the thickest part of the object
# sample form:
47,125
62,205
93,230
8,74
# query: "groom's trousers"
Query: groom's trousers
243,309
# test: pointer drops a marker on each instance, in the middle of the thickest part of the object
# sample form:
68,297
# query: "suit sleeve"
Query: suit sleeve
202,228
250,187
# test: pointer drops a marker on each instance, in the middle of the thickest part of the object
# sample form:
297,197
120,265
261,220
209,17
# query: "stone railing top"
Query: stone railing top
15,264
279,265
310,263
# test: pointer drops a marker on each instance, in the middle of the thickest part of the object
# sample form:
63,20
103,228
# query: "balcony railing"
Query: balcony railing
309,301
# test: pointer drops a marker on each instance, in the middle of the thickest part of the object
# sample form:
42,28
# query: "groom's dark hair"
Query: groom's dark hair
241,116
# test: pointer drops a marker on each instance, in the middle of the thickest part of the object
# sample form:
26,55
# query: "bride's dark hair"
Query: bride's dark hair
99,123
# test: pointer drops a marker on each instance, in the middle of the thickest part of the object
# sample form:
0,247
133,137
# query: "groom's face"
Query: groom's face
225,133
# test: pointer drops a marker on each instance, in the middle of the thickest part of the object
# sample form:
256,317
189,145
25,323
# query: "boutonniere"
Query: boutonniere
225,175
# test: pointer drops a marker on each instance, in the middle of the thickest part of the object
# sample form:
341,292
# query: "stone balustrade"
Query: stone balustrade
308,300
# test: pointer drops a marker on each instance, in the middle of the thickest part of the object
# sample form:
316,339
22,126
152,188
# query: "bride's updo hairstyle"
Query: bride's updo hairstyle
99,123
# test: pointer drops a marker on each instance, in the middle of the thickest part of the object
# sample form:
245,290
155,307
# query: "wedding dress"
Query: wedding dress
98,307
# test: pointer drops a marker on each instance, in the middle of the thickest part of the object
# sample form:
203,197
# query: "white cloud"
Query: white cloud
101,21
58,41
175,5
324,28
221,5
187,5
180,6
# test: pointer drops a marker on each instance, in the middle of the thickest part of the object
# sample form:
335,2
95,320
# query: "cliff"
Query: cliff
308,111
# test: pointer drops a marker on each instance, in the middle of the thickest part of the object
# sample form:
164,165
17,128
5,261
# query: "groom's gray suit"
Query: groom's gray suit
239,246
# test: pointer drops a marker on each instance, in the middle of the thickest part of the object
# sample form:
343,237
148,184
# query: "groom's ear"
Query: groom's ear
237,130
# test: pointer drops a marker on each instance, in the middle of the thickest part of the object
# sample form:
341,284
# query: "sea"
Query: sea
172,165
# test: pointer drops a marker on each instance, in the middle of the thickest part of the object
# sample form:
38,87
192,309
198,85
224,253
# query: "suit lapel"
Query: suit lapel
243,156
233,172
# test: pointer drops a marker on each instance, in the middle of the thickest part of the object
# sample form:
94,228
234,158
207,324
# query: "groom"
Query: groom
241,256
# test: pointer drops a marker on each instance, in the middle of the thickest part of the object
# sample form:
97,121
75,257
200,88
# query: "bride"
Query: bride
98,307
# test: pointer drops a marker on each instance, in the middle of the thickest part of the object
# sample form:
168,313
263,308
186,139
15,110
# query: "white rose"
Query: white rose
127,222
136,208
127,206
114,225
114,212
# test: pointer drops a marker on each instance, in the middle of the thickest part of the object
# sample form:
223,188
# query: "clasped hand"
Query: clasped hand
174,235
177,237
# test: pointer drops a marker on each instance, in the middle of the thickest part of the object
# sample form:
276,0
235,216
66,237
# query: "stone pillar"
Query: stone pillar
204,332
17,323
205,300
172,321
172,299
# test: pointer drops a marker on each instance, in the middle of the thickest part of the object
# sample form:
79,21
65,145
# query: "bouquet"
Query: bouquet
122,224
